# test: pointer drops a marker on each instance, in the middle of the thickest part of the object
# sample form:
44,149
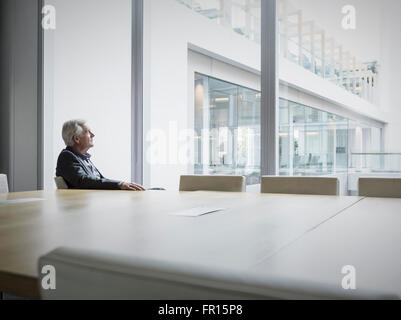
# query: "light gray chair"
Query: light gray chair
3,184
84,275
212,183
60,183
380,187
300,185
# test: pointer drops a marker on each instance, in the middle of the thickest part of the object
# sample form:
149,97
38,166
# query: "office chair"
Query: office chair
300,185
380,187
212,183
60,183
3,184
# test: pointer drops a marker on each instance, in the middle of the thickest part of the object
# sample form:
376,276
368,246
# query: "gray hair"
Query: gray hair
72,129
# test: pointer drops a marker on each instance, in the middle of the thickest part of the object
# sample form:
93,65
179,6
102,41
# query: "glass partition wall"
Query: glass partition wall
312,142
227,125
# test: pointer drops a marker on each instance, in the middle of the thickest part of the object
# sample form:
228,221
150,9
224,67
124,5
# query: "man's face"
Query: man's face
85,141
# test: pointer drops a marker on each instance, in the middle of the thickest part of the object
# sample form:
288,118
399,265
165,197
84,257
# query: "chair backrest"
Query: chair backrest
212,183
380,187
3,184
83,275
300,185
60,183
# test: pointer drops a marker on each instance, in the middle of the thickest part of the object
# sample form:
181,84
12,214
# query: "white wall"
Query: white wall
88,75
364,41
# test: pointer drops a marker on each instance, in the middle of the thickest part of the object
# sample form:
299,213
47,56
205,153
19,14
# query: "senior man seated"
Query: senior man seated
75,166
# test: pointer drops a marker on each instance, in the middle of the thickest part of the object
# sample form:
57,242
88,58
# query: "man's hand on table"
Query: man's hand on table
131,186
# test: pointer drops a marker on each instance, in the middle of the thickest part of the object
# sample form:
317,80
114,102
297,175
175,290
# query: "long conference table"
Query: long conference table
300,237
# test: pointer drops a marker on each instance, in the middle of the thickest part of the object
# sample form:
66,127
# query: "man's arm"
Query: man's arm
69,167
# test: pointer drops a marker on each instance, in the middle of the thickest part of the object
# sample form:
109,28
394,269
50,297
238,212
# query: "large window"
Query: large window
335,85
87,74
337,88
337,72
182,38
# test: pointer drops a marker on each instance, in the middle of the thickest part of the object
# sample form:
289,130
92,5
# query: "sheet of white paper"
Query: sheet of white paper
20,201
197,212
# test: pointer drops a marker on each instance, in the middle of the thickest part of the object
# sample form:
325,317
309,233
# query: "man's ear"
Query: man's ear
76,139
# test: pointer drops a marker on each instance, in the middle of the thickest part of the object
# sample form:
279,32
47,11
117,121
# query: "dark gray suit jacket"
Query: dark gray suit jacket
79,172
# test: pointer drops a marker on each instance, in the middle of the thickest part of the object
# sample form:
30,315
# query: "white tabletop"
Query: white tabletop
251,228
367,236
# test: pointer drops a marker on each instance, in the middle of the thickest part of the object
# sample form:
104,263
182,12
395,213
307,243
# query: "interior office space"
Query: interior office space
292,105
